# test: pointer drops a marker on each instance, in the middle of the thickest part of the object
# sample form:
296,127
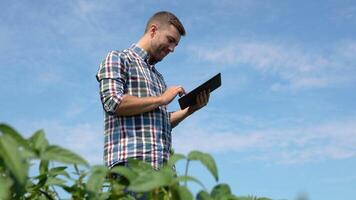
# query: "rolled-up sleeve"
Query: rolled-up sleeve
112,77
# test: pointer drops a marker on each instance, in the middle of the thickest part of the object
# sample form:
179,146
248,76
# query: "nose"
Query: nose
171,48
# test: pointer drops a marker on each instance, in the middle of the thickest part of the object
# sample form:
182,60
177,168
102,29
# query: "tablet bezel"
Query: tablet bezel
190,98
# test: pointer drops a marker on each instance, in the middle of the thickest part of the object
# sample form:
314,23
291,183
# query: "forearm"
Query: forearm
180,115
131,105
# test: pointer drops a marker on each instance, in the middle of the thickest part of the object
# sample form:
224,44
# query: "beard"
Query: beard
158,55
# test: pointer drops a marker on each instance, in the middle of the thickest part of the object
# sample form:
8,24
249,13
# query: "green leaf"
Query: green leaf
204,195
151,179
38,141
190,178
55,181
5,188
58,171
57,153
220,191
12,158
26,151
125,172
138,166
96,179
184,193
175,158
104,196
207,160
42,179
44,166
8,130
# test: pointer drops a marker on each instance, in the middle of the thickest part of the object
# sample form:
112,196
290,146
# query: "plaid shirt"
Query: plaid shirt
146,136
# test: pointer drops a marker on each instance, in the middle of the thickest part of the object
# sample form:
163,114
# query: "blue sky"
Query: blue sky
282,125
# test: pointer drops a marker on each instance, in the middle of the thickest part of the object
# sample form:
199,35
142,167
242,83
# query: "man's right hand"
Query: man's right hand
171,93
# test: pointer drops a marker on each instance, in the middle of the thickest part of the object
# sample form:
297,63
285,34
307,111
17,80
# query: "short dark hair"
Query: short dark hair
166,18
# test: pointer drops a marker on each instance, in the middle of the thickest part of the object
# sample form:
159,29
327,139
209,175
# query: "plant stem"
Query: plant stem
186,172
46,195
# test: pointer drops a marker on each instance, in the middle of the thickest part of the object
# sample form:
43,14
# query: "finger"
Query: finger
208,95
205,96
181,91
198,100
201,99
205,99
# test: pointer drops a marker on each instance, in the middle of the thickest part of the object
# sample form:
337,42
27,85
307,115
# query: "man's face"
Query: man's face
164,42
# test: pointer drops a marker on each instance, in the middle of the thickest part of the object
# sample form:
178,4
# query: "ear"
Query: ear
153,30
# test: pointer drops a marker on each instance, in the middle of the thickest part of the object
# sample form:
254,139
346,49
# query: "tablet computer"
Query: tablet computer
190,98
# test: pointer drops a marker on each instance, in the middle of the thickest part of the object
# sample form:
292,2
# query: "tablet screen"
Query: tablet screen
190,98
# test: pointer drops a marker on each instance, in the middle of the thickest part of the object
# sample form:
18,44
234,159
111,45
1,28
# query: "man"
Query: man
135,97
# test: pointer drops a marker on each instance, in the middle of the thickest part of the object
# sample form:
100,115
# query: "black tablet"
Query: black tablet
190,98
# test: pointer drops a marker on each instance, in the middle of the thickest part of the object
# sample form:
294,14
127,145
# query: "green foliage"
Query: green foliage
56,153
206,160
138,179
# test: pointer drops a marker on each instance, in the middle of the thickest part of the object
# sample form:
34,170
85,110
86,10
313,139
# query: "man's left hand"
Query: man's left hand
201,101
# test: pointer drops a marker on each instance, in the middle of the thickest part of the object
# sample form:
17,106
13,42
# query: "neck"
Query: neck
144,44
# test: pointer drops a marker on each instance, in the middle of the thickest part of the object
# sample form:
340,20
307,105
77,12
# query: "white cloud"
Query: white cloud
330,140
296,66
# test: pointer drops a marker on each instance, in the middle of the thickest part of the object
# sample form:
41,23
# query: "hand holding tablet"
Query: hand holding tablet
190,99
